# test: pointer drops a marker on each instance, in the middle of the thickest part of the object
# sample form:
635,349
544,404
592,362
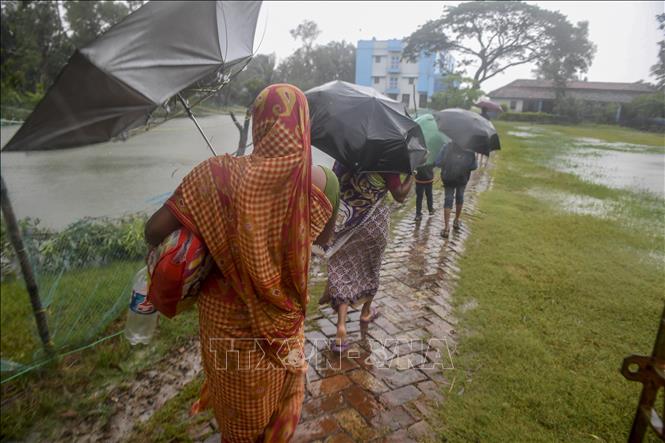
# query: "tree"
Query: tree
658,70
459,93
311,65
307,31
34,46
89,19
569,53
243,90
495,36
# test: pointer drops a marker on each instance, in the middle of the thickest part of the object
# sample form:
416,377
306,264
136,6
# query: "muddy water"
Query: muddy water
111,179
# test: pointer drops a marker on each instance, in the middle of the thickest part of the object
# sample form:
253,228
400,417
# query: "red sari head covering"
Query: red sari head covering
259,214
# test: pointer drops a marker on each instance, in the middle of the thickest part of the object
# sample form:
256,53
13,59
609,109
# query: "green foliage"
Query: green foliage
33,48
568,54
658,70
459,93
89,242
647,106
311,65
88,19
573,110
244,88
494,36
37,41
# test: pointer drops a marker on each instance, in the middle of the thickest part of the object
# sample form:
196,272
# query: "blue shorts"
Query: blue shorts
457,192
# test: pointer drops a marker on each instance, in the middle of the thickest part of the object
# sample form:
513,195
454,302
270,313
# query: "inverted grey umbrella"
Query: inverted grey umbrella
468,130
118,82
363,129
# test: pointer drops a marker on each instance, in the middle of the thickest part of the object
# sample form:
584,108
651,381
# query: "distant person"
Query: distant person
424,181
484,113
456,166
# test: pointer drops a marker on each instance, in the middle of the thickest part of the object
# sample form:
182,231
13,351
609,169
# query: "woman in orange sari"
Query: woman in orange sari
258,216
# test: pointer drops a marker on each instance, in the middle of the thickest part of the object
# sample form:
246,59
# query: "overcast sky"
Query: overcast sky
625,33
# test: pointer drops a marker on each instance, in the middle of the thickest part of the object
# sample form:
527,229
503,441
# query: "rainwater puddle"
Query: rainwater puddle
521,134
603,144
574,203
636,171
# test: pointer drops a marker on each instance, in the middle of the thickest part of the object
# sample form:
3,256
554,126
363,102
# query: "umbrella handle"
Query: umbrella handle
191,115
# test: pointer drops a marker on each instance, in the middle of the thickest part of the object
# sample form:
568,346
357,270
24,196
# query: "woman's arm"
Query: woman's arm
319,180
399,190
160,225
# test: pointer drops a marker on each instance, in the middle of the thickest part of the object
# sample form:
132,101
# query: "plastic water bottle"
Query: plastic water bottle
142,315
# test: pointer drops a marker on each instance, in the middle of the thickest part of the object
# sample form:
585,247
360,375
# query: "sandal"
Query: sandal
339,348
457,225
444,233
373,315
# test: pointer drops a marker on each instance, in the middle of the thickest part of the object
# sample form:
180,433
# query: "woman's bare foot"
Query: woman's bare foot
340,338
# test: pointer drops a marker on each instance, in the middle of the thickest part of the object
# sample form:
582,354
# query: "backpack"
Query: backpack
456,165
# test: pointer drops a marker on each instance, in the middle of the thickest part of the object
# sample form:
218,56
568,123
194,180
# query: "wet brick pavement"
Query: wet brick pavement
389,384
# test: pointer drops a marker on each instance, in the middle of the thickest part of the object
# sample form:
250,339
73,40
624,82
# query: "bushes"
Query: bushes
85,243
532,117
646,112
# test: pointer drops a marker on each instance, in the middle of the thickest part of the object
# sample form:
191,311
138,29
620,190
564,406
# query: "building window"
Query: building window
376,80
377,59
513,105
411,80
394,62
405,99
393,83
422,102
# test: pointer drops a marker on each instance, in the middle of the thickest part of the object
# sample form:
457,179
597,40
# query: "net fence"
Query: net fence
84,275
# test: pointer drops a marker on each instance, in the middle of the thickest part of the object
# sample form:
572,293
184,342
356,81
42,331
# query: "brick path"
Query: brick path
388,385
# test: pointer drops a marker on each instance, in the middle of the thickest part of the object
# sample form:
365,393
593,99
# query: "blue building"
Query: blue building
379,64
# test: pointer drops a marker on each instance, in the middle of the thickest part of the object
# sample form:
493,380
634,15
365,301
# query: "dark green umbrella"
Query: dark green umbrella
434,139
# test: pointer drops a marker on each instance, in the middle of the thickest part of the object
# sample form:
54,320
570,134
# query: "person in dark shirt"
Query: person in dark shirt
456,165
424,180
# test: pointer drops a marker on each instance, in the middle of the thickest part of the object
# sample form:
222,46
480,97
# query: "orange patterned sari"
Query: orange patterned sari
258,216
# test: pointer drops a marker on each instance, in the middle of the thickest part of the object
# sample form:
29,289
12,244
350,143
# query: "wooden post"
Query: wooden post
26,268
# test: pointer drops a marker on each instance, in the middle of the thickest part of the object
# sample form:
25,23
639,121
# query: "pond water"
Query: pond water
115,178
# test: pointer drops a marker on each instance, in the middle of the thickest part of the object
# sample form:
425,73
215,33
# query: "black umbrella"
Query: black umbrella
468,130
363,129
119,81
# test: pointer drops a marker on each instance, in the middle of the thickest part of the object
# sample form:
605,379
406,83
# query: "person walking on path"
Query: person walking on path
257,216
424,181
361,236
456,166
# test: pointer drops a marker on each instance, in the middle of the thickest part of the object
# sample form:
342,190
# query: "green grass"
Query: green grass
172,422
77,382
562,298
78,305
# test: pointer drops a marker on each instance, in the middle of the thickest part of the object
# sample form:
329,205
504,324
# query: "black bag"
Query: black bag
457,165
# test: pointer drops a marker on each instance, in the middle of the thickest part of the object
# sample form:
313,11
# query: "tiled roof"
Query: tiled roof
593,91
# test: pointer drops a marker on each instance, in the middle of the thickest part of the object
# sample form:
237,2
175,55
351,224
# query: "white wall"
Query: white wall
519,104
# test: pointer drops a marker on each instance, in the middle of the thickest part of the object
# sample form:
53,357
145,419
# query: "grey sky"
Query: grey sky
625,33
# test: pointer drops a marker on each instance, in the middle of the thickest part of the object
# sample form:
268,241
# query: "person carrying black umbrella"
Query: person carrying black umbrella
456,166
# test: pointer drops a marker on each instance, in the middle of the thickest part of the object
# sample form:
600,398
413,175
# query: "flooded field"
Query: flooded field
639,171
